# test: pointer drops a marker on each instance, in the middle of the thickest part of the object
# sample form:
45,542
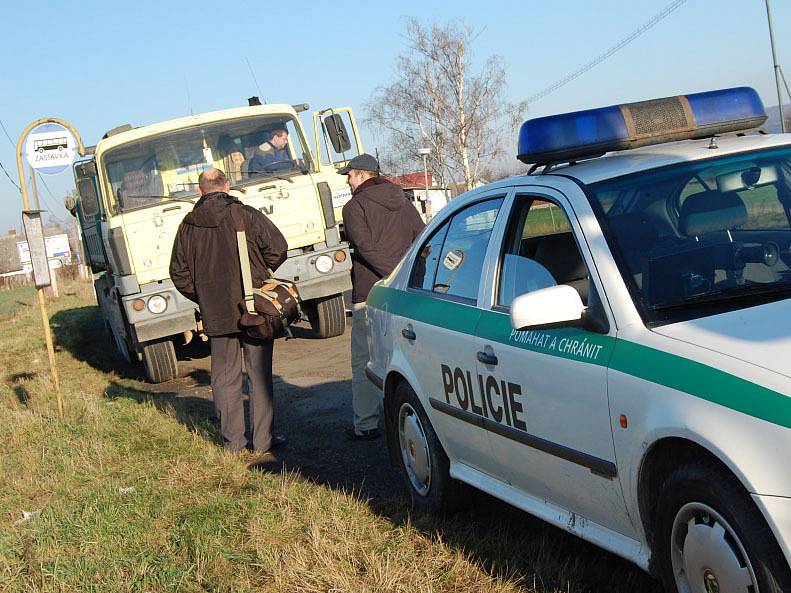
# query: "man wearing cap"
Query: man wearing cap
380,224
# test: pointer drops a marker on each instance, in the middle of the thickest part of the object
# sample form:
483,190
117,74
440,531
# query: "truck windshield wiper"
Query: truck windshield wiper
732,293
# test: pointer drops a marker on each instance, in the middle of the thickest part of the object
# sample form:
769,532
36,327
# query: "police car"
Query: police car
605,342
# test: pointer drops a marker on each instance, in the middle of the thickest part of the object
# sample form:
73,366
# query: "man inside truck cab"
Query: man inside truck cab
272,155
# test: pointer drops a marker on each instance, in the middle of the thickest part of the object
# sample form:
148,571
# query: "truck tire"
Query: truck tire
159,359
327,316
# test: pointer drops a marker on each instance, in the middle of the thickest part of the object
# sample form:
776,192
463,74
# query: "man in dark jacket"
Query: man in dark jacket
380,224
272,155
205,268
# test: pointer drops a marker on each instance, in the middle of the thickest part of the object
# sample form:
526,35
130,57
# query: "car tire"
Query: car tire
160,362
327,316
422,461
710,536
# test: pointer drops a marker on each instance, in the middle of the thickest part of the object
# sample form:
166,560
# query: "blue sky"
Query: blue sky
101,64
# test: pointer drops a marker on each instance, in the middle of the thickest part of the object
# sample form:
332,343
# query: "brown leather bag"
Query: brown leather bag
267,311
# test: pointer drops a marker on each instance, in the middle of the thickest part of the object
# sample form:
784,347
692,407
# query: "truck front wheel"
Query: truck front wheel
159,359
327,316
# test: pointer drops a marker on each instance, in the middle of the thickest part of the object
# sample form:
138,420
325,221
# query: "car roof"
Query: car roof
617,164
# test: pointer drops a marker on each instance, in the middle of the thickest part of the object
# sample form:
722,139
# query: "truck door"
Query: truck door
337,141
90,213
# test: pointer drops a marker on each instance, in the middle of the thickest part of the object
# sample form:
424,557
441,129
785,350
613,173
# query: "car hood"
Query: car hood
758,335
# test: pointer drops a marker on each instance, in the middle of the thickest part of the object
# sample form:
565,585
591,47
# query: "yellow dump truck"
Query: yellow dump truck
139,183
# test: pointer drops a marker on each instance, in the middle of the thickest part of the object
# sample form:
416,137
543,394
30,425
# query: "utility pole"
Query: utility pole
424,152
778,72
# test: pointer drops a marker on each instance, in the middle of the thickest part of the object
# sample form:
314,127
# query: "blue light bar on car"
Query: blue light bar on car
571,136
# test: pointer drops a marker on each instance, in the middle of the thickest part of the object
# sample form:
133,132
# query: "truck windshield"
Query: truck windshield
166,166
702,238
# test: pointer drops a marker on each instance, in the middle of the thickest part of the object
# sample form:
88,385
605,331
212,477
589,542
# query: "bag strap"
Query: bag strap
237,216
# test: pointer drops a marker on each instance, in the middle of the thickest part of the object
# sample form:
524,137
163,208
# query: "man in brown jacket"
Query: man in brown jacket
204,267
380,224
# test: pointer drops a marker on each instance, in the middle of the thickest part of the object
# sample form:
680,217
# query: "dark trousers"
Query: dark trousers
226,386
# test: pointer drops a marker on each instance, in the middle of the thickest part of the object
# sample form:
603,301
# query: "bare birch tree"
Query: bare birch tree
437,101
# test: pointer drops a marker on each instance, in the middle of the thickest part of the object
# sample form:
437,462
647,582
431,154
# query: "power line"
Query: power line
2,125
16,185
654,20
19,189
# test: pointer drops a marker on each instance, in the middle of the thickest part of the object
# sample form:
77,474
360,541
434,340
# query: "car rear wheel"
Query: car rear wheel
160,362
327,316
711,538
422,460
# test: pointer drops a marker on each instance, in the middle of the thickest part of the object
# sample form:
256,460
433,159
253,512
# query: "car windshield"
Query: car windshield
700,238
166,167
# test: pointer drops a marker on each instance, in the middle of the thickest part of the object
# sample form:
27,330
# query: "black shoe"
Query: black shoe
363,435
278,440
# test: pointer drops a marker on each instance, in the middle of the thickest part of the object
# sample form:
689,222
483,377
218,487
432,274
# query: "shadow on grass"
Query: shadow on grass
21,392
504,541
81,331
194,412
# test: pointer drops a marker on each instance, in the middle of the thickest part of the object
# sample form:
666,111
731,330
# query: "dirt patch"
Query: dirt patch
312,409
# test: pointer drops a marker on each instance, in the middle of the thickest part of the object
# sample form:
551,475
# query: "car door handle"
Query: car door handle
485,358
408,334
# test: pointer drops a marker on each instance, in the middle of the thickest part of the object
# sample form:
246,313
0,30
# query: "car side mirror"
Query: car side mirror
547,308
336,130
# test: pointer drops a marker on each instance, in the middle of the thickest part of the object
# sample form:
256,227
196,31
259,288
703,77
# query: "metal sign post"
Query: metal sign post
50,150
37,248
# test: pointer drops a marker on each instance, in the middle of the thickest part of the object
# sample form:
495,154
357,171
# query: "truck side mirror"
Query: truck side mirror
86,169
336,130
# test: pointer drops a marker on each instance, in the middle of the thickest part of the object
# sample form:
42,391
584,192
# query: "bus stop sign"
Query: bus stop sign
50,148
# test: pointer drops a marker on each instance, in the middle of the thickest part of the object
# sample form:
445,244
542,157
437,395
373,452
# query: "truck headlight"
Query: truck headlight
157,304
323,263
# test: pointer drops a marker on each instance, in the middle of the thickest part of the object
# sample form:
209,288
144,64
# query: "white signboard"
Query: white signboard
57,247
31,220
340,197
50,148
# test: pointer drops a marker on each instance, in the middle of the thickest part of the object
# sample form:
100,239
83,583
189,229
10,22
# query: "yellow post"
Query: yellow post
26,206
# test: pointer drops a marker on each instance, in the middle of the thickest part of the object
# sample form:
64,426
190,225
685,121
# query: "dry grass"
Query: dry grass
124,495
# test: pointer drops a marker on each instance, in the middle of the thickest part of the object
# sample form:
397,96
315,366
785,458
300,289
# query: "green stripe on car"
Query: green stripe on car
649,364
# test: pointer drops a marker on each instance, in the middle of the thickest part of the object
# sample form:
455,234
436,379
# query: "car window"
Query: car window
713,231
451,262
426,262
539,251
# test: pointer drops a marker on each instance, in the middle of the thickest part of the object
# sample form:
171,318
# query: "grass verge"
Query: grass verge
123,494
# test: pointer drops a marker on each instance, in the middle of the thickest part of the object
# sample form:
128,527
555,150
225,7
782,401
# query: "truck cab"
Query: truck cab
139,183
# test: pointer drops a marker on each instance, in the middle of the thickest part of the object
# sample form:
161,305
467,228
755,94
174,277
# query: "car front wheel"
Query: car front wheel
711,538
422,460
